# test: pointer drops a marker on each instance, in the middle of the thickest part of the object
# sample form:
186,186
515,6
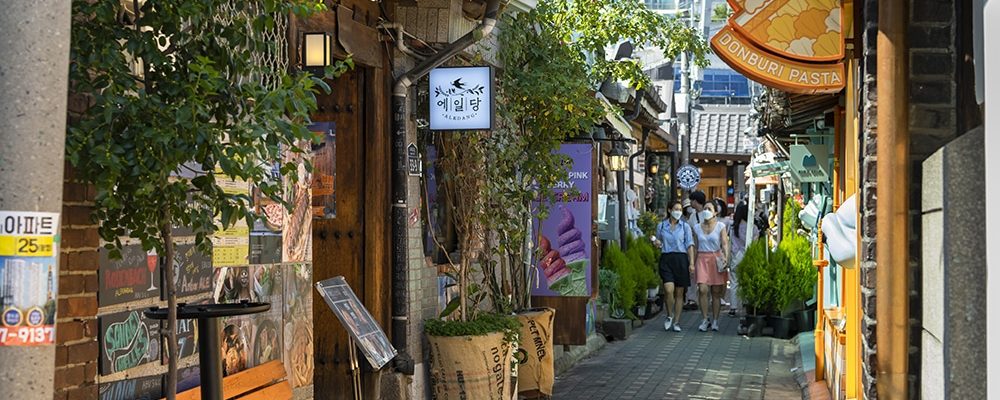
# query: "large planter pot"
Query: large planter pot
473,367
536,373
782,326
805,320
757,325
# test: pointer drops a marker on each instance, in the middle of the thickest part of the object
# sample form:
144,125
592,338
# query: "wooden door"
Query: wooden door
339,242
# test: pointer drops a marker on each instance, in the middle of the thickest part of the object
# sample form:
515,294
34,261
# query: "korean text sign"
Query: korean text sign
461,98
28,251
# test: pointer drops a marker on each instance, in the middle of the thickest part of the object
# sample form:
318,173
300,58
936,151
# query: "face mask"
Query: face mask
707,214
676,214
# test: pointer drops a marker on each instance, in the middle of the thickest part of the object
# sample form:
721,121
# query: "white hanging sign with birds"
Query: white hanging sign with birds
461,98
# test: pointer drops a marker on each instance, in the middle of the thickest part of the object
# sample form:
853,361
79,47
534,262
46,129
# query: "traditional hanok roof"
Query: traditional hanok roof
719,131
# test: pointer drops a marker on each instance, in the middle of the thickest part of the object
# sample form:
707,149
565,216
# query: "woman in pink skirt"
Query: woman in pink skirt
711,266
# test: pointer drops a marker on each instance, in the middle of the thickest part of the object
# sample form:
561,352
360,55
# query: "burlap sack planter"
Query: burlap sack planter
536,374
471,367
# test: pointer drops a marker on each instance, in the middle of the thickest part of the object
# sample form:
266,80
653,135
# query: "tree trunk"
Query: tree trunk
171,329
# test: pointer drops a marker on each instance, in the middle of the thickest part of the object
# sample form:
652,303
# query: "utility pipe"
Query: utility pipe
400,44
892,203
400,247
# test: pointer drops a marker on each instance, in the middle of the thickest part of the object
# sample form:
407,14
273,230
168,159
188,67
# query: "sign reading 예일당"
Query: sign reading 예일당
795,46
357,321
564,243
28,250
461,98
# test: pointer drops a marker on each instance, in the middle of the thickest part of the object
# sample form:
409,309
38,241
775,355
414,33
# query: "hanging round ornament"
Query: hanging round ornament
688,177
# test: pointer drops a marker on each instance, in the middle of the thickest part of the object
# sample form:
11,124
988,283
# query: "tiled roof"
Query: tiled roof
719,129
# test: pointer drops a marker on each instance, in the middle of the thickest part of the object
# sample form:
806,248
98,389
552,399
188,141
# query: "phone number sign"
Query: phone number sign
28,276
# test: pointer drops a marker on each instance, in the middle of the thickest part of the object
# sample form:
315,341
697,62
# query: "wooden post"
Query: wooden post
892,204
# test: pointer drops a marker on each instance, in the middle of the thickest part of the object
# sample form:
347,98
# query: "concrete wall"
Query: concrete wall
954,260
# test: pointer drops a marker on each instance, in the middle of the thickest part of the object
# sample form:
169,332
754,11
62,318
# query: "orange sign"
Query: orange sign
792,45
773,71
807,30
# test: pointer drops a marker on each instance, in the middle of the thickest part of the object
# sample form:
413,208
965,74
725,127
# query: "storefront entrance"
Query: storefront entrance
349,220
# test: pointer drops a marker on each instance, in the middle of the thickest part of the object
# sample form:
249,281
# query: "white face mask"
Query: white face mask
707,214
676,214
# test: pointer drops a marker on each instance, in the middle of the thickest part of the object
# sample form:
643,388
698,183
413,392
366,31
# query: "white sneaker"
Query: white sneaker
676,328
704,325
668,323
715,325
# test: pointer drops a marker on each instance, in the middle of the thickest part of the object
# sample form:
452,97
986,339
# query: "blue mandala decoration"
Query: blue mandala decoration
688,177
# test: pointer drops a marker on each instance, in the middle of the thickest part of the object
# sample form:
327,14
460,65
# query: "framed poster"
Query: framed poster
356,319
28,248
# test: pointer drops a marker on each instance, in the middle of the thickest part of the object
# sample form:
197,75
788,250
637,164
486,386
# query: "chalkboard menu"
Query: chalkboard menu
357,320
127,340
135,276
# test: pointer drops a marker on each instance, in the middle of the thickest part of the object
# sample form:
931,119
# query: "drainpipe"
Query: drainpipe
892,203
400,295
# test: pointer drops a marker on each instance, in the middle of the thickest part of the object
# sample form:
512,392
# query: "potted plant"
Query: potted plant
802,278
755,285
470,349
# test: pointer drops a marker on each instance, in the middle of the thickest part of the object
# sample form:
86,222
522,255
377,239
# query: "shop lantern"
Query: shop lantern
618,157
316,50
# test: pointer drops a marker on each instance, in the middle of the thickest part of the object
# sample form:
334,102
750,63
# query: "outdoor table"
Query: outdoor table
208,332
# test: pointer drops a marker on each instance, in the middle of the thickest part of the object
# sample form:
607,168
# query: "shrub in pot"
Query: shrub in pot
472,357
755,285
801,282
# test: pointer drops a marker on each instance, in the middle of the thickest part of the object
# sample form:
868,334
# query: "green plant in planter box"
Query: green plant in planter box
648,222
616,261
755,282
801,281
790,218
483,324
783,283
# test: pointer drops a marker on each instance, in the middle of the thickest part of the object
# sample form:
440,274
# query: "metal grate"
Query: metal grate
271,59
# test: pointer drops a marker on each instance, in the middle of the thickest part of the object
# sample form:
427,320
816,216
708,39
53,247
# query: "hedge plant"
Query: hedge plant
615,260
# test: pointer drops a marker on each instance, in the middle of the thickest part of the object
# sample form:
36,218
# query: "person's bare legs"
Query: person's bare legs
669,299
718,291
703,299
678,303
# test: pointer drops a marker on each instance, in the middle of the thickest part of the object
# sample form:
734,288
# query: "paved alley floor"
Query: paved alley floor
655,364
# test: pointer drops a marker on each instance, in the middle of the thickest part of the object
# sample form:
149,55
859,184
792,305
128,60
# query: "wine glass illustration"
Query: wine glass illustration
151,260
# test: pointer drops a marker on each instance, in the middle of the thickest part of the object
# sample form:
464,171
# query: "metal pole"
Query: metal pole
210,361
622,223
892,220
34,44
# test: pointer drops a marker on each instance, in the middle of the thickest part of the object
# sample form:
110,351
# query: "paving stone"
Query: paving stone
654,364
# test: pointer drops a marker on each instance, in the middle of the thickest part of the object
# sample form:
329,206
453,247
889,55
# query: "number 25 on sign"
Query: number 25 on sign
26,246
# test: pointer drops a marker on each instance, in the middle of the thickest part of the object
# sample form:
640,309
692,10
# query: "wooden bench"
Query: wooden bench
263,382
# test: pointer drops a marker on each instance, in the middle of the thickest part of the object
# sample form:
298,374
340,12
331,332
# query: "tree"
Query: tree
545,96
178,103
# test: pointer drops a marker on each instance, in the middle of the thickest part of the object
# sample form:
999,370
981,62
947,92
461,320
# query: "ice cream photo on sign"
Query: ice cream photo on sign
565,265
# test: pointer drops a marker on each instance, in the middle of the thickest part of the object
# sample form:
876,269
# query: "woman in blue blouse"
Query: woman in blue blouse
673,237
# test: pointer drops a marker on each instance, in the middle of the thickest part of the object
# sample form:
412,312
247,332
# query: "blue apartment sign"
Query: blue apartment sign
461,98
688,177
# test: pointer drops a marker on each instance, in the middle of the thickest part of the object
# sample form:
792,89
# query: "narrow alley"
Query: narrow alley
654,364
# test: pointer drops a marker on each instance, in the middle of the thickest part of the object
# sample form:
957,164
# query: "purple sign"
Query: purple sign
564,242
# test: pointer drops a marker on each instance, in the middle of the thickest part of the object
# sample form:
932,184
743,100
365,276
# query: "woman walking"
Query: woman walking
713,251
674,238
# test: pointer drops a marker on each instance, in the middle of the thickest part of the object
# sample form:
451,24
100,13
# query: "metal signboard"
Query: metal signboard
810,163
358,322
688,177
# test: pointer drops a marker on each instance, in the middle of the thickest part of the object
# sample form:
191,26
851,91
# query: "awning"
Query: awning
616,121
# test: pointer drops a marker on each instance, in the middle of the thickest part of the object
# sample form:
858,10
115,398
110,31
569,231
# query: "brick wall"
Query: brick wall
932,123
76,326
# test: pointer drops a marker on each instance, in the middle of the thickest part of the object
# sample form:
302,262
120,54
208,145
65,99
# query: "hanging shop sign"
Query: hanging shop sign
795,46
770,169
461,98
810,163
688,177
564,268
28,250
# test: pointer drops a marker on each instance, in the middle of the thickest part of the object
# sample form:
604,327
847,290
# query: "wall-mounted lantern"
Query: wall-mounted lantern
618,157
317,50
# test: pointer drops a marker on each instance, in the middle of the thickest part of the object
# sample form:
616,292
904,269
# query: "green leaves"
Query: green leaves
180,106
